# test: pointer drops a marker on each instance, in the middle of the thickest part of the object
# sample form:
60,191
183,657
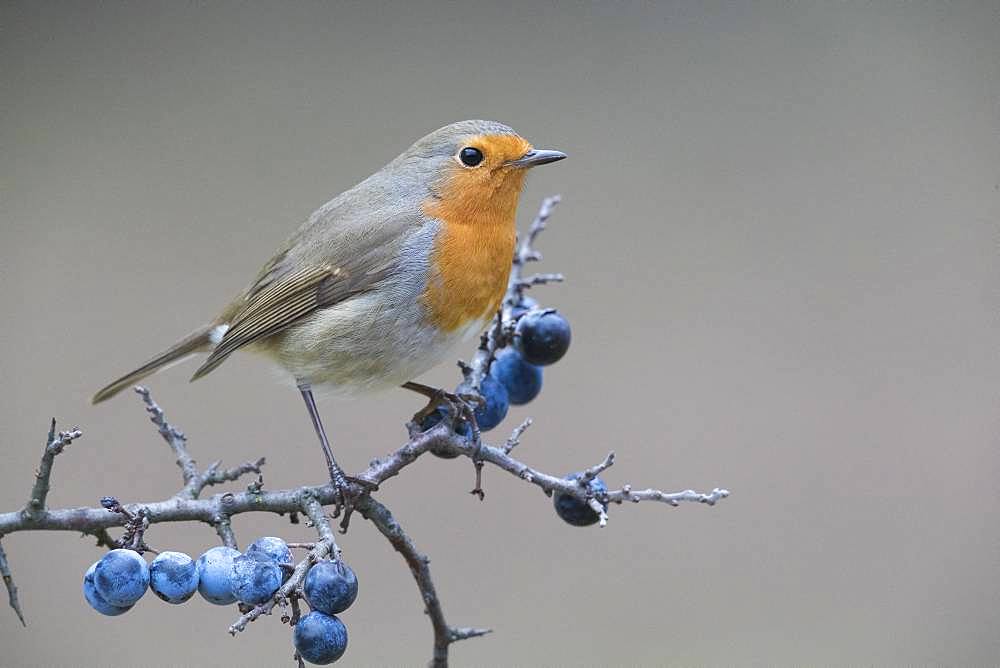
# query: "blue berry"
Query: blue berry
492,413
463,428
488,415
215,575
331,587
275,548
542,337
97,601
440,413
320,638
173,576
121,577
256,577
574,511
522,380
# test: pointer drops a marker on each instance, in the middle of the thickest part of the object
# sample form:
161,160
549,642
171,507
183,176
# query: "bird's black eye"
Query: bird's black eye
470,156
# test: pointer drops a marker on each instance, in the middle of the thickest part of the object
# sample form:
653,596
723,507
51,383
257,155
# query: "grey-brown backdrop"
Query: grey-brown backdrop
780,233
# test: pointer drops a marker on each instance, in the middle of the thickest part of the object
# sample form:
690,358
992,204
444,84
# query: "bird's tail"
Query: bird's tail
201,340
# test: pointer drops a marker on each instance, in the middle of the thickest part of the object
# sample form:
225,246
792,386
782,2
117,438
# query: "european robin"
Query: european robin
382,281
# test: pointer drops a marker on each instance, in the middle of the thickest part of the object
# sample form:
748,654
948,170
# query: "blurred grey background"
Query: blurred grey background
780,233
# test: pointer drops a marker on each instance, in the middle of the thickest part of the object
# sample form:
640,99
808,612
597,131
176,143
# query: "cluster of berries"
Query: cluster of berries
541,337
223,576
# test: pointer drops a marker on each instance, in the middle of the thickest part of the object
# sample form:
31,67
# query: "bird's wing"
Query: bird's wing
283,295
346,247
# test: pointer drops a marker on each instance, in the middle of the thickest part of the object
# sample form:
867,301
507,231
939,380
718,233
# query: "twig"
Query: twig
551,484
194,481
526,252
173,436
8,580
539,279
589,474
600,510
293,618
54,445
217,510
135,525
515,436
419,565
224,527
104,539
672,499
214,476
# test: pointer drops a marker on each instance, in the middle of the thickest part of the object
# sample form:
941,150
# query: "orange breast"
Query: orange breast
471,259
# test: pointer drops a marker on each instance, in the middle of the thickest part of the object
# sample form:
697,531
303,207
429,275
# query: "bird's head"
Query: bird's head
476,169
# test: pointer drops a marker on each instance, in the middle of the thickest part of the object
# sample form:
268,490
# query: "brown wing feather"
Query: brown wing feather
274,306
340,252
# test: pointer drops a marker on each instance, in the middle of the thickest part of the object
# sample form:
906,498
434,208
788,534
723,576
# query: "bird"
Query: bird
379,284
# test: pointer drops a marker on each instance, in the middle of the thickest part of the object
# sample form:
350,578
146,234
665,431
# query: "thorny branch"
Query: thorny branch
210,510
8,581
54,445
515,436
174,437
217,510
194,482
419,565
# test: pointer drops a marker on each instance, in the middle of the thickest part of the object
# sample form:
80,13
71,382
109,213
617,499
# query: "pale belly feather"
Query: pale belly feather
356,347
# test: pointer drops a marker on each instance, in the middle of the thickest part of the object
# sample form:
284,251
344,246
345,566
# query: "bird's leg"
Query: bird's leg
462,406
337,476
348,487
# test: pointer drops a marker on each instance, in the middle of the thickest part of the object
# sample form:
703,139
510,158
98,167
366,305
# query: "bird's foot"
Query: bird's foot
459,405
462,408
349,490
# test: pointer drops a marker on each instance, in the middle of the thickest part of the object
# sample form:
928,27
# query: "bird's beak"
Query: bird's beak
537,157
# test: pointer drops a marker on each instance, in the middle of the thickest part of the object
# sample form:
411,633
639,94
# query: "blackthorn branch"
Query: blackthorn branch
445,438
8,581
419,565
54,445
194,481
515,436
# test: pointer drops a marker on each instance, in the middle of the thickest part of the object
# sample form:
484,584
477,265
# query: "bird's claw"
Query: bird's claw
458,404
349,490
